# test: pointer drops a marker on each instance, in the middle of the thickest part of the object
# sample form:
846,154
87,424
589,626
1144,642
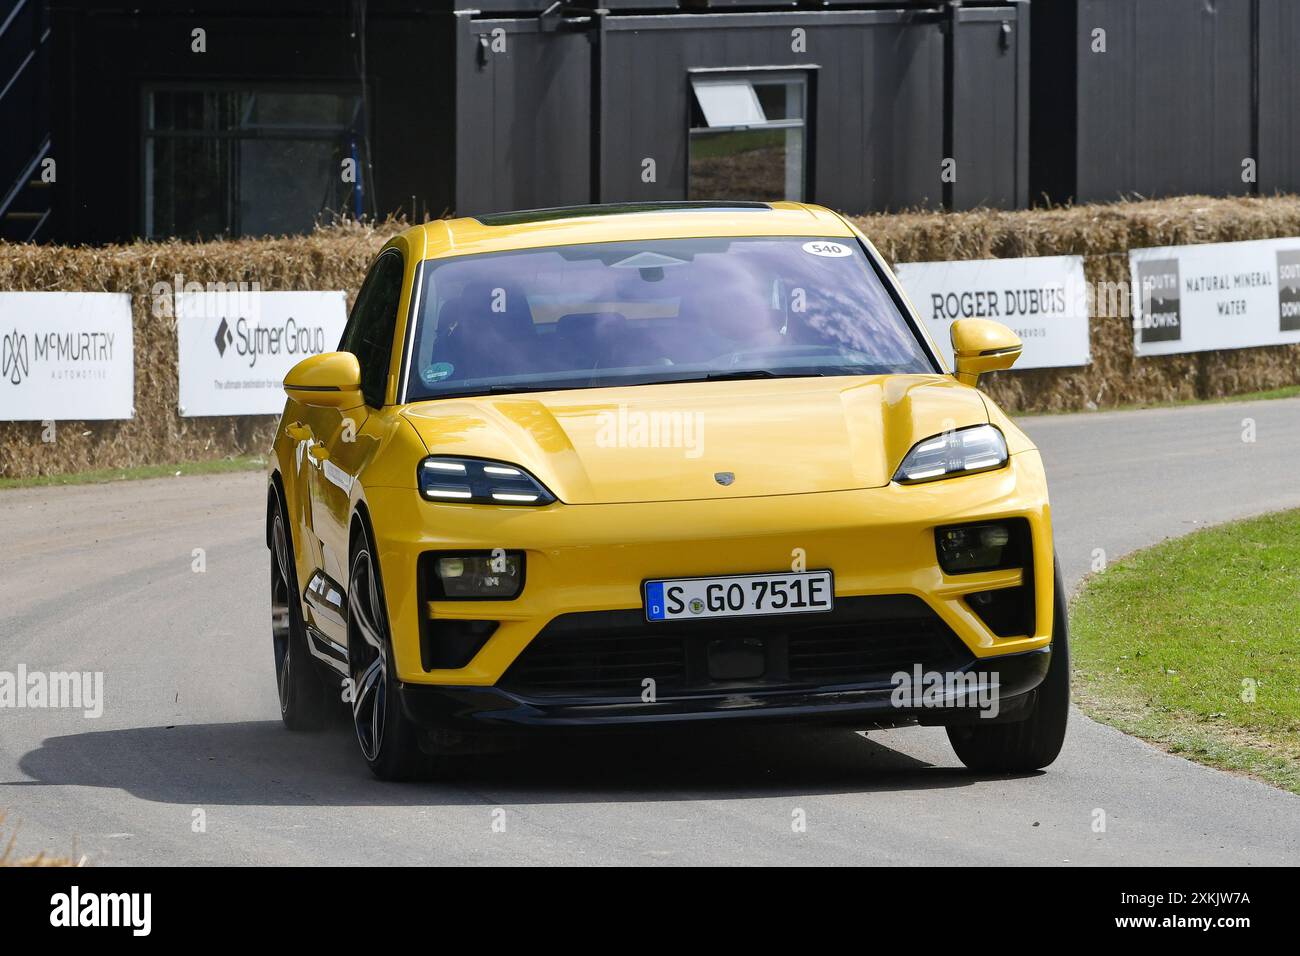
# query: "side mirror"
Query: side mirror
980,346
328,380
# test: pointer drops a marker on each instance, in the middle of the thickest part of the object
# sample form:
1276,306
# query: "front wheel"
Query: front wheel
305,702
1034,742
389,740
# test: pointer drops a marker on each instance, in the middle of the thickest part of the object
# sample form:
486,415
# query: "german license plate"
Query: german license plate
744,595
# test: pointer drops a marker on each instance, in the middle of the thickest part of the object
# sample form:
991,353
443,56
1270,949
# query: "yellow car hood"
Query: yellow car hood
672,442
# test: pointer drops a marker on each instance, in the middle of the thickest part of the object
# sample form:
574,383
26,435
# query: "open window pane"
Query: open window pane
780,99
728,102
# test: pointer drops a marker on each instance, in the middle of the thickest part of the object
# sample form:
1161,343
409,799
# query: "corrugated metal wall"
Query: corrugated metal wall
1165,97
876,92
1279,89
1166,109
550,115
523,113
989,94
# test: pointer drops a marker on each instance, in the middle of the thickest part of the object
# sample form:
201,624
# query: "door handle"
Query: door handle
298,431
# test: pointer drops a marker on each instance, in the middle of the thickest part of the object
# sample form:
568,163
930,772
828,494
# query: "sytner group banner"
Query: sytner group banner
1225,295
1042,299
235,347
66,356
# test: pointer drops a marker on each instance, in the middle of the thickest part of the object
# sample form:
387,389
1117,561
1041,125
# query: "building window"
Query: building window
748,136
248,163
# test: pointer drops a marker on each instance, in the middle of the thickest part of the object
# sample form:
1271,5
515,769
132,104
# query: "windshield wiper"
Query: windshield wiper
509,389
742,373
721,376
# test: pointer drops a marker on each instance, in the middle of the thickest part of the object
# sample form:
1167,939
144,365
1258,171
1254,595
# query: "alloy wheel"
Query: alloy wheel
367,656
281,630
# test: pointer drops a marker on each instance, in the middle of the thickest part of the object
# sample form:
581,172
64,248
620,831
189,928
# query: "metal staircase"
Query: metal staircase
25,199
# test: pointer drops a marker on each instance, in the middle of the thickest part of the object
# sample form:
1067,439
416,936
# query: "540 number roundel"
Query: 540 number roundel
748,595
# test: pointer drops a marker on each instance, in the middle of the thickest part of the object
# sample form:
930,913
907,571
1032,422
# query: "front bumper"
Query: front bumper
593,558
1010,680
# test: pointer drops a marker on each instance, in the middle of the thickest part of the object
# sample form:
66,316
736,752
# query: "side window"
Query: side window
369,333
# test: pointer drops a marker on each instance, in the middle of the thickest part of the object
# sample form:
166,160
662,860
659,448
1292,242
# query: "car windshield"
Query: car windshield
658,311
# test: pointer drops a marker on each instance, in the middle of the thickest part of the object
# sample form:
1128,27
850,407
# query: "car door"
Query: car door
340,442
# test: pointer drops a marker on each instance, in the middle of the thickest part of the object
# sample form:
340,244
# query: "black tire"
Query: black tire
1032,743
305,700
389,740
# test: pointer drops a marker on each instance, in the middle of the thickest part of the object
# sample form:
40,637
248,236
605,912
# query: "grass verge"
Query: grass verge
214,467
1194,645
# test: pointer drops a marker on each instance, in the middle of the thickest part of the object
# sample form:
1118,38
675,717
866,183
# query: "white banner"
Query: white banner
1223,295
66,356
235,347
1043,300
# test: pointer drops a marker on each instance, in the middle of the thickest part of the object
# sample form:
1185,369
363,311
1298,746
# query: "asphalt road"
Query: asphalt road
189,763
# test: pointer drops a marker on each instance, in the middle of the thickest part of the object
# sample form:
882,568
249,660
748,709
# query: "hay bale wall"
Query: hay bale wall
337,258
1103,235
330,259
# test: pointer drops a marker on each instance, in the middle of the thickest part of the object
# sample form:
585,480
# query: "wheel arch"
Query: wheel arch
361,524
275,495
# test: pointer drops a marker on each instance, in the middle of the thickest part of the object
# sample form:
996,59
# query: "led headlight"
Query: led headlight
964,451
480,481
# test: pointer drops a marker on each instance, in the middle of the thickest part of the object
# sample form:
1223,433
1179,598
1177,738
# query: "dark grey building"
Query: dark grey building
193,118
856,109
234,117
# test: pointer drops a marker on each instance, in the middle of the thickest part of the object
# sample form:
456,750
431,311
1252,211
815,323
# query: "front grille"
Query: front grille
611,653
598,665
846,652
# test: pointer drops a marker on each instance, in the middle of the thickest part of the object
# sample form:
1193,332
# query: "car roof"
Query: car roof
538,228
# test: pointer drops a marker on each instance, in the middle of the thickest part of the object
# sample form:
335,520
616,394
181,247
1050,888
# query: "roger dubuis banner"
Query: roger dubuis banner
1042,299
66,356
1228,295
235,347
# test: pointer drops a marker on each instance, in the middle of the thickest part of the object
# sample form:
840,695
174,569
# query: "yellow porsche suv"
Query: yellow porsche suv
651,465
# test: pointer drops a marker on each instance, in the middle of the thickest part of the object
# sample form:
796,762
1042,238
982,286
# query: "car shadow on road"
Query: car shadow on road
260,763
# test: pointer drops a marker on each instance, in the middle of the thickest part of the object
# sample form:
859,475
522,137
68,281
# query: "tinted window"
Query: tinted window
642,312
369,333
247,162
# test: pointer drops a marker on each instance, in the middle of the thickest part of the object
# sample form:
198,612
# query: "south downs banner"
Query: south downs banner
1042,299
234,347
66,356
1226,295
